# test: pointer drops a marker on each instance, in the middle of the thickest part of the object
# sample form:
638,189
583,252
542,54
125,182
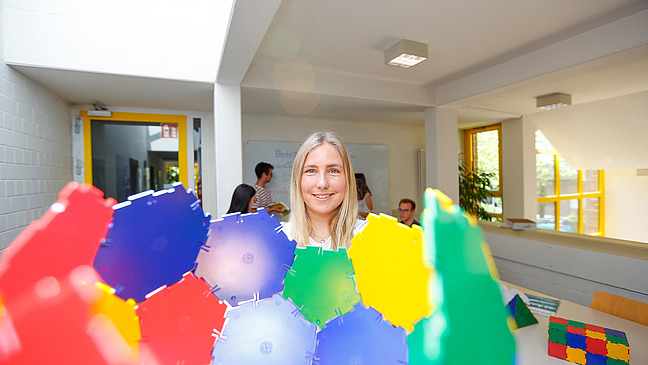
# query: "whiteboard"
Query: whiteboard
372,160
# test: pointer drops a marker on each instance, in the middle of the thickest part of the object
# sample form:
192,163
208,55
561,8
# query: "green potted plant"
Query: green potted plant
474,188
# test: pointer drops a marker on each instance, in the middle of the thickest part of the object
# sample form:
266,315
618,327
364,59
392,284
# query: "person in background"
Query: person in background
365,204
406,211
323,195
242,199
263,171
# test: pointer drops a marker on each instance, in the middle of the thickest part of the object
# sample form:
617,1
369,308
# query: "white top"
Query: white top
357,228
362,205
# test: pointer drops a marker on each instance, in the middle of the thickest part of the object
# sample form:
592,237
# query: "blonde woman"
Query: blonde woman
324,203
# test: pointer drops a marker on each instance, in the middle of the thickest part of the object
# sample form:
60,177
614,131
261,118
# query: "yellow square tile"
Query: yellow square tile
594,334
576,356
618,351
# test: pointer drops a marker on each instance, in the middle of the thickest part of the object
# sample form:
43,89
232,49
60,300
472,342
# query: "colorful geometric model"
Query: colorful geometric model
520,312
56,309
269,332
180,323
153,241
245,257
361,337
388,261
321,284
456,333
587,344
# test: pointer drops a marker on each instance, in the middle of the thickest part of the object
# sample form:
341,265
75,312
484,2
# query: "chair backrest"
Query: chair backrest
615,305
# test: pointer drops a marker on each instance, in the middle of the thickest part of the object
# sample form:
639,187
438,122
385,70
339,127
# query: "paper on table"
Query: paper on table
542,305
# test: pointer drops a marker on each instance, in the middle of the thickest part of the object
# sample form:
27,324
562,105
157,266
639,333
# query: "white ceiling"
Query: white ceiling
336,47
325,59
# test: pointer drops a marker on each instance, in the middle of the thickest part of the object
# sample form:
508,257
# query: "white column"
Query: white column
442,151
228,144
519,169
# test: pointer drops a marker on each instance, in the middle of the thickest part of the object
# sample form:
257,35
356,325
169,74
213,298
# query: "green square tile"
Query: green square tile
575,324
559,337
611,361
557,327
615,339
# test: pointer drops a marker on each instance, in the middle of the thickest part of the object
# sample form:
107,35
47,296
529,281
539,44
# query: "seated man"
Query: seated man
406,210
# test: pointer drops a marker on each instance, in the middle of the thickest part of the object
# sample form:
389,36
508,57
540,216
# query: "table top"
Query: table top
532,340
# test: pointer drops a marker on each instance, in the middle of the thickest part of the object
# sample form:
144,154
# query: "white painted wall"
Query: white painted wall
161,38
566,272
442,151
402,140
626,205
35,150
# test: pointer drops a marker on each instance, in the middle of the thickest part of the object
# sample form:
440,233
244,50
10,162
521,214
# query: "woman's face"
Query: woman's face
323,181
251,203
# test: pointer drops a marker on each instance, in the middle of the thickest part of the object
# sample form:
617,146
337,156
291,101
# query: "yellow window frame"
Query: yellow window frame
469,150
180,120
557,198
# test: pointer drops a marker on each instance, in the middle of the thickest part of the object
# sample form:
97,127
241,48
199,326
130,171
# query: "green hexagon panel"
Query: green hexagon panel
321,284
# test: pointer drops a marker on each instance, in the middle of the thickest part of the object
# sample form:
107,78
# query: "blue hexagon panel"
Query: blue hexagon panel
268,332
361,336
245,257
153,240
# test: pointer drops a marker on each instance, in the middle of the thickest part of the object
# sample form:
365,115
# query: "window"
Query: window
483,153
574,196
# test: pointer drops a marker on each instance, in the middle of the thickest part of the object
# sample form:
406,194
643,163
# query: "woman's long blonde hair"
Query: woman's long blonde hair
343,221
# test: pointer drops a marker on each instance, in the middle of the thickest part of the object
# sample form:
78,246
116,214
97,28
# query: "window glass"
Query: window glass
546,217
568,216
568,178
590,181
575,197
482,156
591,215
486,158
493,205
545,174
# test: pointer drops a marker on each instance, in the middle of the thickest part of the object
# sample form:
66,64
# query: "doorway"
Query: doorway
127,153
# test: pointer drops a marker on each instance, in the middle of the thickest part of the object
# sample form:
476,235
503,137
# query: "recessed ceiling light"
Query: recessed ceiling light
406,54
553,101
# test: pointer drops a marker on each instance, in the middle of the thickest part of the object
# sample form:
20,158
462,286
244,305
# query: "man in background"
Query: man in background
262,199
406,211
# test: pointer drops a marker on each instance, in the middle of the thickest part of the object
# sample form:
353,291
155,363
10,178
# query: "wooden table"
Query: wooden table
532,340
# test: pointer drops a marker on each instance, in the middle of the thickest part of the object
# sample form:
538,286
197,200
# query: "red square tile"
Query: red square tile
596,346
592,327
577,330
558,320
557,350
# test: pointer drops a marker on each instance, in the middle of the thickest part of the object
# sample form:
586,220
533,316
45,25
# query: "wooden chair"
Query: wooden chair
615,305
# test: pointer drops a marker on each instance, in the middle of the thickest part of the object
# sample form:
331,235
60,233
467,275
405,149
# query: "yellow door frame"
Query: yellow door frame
180,120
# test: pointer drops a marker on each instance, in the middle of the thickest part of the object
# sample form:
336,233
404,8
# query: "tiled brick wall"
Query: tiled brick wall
35,151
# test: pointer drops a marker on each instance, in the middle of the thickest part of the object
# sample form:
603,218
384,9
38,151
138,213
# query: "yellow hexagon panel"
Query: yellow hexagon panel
121,313
391,277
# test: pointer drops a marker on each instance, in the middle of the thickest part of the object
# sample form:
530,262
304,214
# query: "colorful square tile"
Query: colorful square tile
615,339
576,341
615,333
576,356
596,334
596,346
558,350
575,323
577,330
595,359
557,320
586,344
618,351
